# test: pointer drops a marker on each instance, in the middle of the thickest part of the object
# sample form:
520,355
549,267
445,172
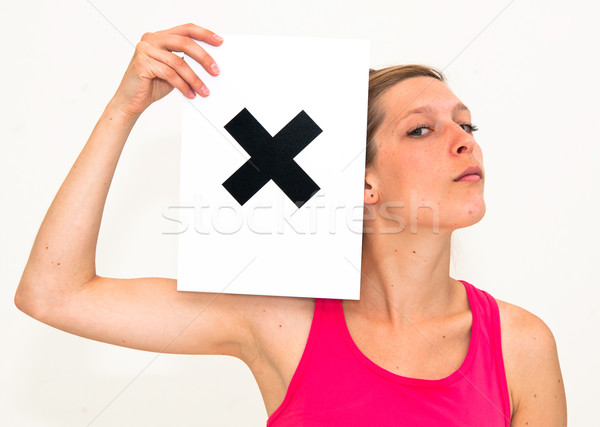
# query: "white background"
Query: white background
529,73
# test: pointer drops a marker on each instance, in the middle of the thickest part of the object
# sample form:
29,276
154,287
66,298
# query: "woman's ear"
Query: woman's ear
371,193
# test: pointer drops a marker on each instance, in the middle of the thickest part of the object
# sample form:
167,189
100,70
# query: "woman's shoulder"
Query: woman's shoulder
280,329
266,308
279,322
522,331
530,357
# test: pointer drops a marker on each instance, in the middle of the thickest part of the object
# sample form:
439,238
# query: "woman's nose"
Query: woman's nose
462,141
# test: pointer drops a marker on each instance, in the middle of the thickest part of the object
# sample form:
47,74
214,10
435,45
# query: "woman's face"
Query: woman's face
419,156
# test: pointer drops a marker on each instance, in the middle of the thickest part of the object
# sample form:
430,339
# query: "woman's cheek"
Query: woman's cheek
478,153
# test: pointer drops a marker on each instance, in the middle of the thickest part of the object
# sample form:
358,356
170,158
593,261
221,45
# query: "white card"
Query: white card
265,212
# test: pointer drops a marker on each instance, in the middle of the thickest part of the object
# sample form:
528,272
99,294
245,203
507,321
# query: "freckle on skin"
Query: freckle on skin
58,263
280,326
534,395
46,247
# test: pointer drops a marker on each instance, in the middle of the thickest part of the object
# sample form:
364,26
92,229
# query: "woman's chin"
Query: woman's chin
468,215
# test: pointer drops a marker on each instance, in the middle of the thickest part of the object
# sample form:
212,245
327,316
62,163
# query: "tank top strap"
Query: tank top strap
490,339
323,308
485,309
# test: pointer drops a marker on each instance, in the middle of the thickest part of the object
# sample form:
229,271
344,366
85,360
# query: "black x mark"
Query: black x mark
272,157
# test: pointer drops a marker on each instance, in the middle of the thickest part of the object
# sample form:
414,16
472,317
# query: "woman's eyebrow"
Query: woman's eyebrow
423,109
430,109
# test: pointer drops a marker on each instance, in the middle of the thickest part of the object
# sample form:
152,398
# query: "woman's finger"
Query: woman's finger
177,43
166,73
179,65
196,32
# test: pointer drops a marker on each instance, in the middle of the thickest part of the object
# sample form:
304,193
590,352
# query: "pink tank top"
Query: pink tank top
335,384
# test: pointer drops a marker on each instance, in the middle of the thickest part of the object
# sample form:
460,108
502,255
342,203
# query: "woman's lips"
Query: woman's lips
471,170
470,178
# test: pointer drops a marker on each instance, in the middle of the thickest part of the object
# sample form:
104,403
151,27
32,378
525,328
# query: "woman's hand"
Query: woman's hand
155,70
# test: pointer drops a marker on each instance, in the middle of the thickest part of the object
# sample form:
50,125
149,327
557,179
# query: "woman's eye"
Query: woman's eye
418,131
470,127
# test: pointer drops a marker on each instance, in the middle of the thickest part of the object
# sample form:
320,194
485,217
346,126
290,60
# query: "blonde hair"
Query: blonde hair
380,81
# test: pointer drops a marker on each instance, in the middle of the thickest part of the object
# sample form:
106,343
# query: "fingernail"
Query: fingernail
192,94
204,90
215,68
217,38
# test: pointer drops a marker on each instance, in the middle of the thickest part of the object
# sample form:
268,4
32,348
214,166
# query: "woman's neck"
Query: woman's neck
406,276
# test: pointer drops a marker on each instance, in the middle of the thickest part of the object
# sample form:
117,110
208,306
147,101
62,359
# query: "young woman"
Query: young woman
419,348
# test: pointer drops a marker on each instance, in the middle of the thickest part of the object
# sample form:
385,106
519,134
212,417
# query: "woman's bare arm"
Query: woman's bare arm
532,369
59,285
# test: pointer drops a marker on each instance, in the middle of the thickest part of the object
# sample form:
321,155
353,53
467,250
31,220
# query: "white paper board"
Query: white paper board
269,245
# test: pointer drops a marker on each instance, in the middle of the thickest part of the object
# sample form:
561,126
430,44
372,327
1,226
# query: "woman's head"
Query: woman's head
419,139
380,81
